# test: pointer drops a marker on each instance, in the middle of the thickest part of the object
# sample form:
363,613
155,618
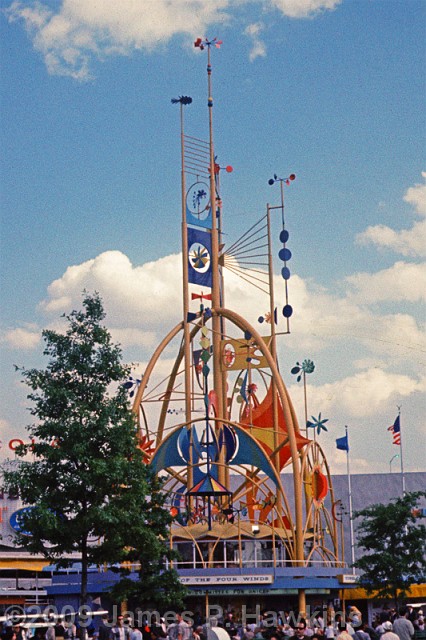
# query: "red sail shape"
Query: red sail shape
319,486
261,427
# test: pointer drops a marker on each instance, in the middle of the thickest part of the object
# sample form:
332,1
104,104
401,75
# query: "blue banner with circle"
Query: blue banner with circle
199,257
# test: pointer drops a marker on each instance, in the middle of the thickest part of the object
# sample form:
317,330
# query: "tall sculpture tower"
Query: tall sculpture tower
225,428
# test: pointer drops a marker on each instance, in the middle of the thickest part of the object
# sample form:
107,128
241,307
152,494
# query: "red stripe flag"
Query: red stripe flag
396,430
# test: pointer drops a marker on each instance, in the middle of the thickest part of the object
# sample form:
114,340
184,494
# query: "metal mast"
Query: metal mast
216,302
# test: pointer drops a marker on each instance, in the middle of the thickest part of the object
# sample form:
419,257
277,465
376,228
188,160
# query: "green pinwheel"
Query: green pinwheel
307,366
317,424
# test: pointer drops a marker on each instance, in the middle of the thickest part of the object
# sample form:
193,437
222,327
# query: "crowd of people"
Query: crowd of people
388,625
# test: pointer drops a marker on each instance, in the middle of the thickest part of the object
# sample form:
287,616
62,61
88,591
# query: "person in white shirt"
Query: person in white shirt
388,634
120,631
180,630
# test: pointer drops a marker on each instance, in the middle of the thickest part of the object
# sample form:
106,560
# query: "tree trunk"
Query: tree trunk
83,587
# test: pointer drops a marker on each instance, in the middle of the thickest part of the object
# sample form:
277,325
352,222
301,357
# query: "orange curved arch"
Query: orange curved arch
287,406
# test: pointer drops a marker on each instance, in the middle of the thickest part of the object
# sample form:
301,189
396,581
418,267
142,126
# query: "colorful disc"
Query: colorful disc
199,257
228,355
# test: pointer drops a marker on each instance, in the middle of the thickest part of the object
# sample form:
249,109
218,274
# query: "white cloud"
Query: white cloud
77,30
132,337
372,357
323,319
338,462
416,196
360,395
369,362
366,401
141,302
407,242
21,337
397,331
304,8
403,281
258,49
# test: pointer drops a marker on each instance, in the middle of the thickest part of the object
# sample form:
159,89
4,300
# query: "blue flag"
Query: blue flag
342,443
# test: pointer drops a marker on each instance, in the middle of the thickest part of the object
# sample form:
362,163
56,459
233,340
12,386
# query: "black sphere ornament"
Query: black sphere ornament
284,254
287,311
285,272
284,236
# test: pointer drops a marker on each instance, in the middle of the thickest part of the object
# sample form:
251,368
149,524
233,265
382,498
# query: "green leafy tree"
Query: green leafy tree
394,544
86,483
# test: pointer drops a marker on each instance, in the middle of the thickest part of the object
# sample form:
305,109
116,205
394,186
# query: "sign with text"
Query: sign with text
202,581
347,578
255,592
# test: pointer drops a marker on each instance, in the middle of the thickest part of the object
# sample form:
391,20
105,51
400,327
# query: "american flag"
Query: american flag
396,430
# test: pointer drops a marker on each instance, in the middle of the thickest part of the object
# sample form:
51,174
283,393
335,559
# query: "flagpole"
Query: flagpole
401,456
350,504
182,101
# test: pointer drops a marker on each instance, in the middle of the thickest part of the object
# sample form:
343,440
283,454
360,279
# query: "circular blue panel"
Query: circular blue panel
284,254
261,319
287,311
199,257
284,236
247,335
198,200
15,520
285,272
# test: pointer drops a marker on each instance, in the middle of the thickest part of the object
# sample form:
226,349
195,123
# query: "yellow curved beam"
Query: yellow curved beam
290,419
287,406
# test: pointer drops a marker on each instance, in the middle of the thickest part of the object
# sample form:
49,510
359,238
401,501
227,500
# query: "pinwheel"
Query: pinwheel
131,385
317,424
146,446
200,257
307,366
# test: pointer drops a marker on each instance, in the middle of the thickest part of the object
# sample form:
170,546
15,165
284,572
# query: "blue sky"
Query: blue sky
331,90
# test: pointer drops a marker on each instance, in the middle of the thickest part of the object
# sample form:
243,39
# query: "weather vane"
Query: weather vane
202,43
182,100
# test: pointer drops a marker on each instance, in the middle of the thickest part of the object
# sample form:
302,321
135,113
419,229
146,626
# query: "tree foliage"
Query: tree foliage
83,474
394,545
